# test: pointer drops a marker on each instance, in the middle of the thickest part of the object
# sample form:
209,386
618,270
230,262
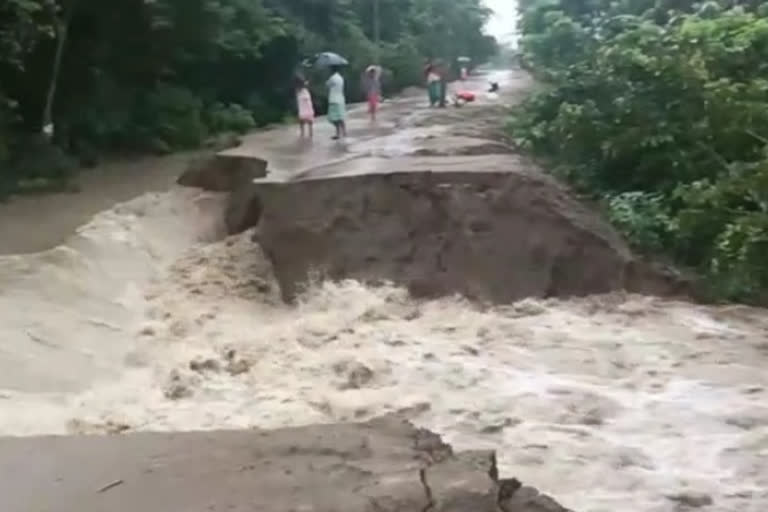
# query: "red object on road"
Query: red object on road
466,96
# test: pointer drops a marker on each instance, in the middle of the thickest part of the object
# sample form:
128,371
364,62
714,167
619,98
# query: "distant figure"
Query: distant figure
337,103
494,87
433,84
372,88
305,107
443,72
464,74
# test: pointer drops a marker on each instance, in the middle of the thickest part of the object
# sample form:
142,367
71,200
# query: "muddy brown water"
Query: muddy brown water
36,223
615,402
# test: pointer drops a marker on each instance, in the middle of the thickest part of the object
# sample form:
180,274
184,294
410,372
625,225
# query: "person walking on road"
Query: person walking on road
337,103
305,107
372,88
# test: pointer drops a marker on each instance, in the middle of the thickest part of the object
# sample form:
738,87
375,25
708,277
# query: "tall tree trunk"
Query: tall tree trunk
62,30
376,32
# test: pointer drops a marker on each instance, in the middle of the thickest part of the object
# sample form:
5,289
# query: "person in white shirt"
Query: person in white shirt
337,103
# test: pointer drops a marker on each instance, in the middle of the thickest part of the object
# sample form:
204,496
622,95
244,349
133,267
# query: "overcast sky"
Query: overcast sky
503,23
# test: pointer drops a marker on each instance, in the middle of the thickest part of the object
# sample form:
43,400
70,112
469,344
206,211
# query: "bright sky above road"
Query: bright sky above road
503,23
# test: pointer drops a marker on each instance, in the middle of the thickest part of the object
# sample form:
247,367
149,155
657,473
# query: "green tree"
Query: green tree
661,107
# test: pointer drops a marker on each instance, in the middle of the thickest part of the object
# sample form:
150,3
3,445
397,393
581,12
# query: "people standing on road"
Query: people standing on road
305,107
337,103
372,88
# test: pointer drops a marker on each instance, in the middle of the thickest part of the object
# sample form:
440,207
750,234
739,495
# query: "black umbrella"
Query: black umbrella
329,59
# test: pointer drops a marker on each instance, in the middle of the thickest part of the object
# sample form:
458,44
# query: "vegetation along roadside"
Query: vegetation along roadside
659,108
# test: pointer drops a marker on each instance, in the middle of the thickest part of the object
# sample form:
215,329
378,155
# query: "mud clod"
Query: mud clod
529,499
691,499
462,483
238,367
223,172
205,365
495,428
235,365
179,386
356,374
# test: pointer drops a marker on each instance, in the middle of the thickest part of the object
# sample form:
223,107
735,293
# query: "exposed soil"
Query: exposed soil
479,226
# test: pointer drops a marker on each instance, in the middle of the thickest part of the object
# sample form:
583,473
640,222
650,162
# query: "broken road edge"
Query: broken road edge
383,465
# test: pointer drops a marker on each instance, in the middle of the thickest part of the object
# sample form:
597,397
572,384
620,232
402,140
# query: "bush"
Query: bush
172,116
29,163
263,111
643,218
36,165
229,118
7,118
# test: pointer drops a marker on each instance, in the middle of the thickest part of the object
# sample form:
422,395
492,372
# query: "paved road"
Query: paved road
402,120
385,465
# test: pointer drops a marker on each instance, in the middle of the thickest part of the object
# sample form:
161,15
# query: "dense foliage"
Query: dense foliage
127,75
660,109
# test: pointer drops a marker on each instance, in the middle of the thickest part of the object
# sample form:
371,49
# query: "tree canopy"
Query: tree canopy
660,109
138,75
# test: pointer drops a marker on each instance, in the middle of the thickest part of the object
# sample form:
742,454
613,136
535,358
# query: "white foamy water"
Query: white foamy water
613,403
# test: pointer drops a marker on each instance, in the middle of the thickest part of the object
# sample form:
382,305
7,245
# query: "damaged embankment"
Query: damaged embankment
487,227
385,465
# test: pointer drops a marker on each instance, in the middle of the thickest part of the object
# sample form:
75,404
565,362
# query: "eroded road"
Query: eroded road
149,318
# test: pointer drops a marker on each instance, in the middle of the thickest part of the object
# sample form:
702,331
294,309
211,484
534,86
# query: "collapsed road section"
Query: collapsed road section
433,200
488,227
385,465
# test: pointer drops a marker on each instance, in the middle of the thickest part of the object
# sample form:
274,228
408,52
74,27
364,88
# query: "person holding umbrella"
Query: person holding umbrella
337,102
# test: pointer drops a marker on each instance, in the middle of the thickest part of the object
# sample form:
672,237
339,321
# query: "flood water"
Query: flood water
148,319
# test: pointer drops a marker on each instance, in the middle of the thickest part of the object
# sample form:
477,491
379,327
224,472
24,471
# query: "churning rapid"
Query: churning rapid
147,319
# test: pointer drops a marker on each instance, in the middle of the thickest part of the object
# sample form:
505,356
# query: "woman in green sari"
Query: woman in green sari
433,85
